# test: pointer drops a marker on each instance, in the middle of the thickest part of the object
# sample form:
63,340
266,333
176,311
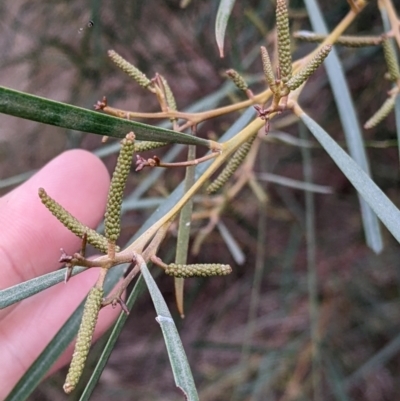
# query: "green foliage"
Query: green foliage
240,150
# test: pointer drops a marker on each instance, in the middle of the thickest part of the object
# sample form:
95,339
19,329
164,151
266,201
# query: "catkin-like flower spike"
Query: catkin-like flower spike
231,166
309,69
131,70
267,67
382,113
72,223
345,40
169,96
112,223
391,59
237,79
148,145
197,270
284,51
84,338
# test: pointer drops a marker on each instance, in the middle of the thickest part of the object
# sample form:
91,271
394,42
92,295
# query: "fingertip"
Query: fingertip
31,237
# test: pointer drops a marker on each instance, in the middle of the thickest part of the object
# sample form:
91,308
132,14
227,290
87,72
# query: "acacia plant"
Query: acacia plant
285,81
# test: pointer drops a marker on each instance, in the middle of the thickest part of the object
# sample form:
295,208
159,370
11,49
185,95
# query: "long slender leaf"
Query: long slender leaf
373,195
177,357
182,243
221,22
312,278
31,287
207,102
47,111
349,120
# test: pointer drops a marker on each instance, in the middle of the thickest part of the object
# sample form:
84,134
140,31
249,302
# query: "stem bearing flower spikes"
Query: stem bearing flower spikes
285,81
113,257
105,244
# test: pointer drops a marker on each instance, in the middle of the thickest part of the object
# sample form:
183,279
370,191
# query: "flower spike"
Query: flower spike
284,52
72,223
309,69
391,59
84,338
112,222
131,70
382,113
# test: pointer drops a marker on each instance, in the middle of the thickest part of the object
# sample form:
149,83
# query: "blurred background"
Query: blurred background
248,336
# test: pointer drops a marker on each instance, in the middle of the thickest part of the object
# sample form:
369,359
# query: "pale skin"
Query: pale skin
30,242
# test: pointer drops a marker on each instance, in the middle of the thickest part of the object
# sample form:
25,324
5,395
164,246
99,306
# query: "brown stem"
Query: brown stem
157,261
115,297
141,162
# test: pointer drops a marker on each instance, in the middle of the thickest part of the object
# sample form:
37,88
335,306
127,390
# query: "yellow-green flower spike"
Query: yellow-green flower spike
84,338
391,59
267,67
237,79
345,40
148,145
284,51
169,96
130,69
197,270
112,221
231,166
382,113
309,69
73,224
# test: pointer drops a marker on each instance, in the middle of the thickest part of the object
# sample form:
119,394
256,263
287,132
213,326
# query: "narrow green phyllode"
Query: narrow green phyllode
73,224
309,69
112,217
197,270
84,338
284,51
130,69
